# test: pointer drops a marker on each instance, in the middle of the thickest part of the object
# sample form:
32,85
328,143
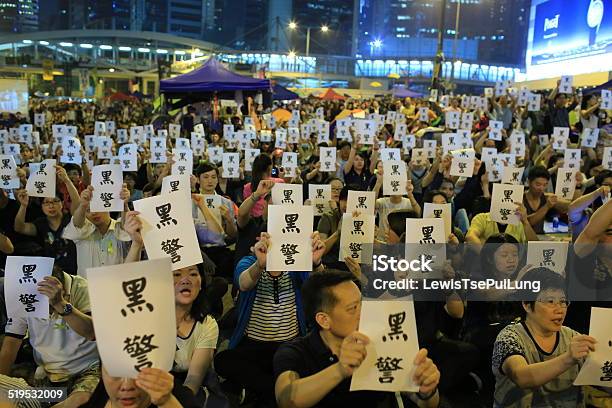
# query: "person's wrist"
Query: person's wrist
58,305
429,396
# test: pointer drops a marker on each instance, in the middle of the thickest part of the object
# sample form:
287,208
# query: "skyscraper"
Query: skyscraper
191,18
489,30
18,15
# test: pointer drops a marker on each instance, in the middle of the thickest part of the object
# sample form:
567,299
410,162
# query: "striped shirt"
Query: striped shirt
274,314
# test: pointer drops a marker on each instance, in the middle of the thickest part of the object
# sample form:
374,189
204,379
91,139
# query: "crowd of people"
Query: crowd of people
248,335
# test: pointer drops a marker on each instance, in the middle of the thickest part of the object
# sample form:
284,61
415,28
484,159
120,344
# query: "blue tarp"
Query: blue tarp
212,76
283,94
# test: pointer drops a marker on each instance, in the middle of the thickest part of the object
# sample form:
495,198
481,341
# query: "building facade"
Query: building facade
18,16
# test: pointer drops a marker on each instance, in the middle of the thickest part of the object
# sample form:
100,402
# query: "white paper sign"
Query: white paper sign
183,162
503,201
328,159
319,196
597,369
357,237
361,201
452,119
443,211
128,157
231,165
290,244
249,158
512,175
462,164
168,229
133,313
8,172
606,99
426,240
533,102
395,177
174,130
289,160
177,183
107,181
424,114
388,366
41,182
21,277
589,137
287,194
606,161
496,129
566,184
571,159
215,154
158,150
390,154
547,254
565,86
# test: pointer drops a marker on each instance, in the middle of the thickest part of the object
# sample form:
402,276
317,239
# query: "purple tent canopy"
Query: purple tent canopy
401,92
212,77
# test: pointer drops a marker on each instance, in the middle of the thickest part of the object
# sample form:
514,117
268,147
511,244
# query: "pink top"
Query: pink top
257,209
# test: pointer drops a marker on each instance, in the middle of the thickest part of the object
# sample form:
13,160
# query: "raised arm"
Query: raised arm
249,277
594,230
577,207
133,226
72,190
78,218
21,226
526,375
263,189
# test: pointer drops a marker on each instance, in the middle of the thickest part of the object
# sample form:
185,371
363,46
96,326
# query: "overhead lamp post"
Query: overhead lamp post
293,27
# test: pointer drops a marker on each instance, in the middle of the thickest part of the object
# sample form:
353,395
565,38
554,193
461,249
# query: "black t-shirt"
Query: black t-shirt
54,246
361,180
23,244
307,356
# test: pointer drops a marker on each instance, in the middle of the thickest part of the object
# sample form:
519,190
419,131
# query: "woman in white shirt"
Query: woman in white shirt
196,331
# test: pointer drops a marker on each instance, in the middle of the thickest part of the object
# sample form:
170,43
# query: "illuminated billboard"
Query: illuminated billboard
569,37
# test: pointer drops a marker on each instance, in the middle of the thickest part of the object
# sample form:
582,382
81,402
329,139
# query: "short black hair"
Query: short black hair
548,280
430,194
205,167
130,174
538,172
317,295
343,143
71,166
397,220
604,174
344,192
491,245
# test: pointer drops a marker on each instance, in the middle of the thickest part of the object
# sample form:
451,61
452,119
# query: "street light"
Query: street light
291,54
375,45
293,26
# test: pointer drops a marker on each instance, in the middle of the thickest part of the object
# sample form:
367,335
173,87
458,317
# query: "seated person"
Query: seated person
539,204
482,227
48,230
269,313
536,360
329,228
580,209
66,357
152,388
80,179
221,221
316,370
129,178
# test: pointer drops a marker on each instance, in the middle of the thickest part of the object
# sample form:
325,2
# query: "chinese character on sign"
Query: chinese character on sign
515,176
139,348
288,250
504,212
507,196
5,179
606,371
209,203
133,290
462,167
28,270
5,164
395,185
40,186
290,220
41,170
355,248
107,197
427,238
357,224
181,170
106,177
174,186
395,325
437,213
170,247
288,199
395,170
361,202
387,366
28,300
164,215
548,254
319,193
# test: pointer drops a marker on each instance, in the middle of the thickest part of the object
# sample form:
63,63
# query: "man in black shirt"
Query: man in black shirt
316,370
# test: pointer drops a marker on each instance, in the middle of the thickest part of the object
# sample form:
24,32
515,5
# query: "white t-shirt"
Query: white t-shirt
384,207
58,349
203,336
